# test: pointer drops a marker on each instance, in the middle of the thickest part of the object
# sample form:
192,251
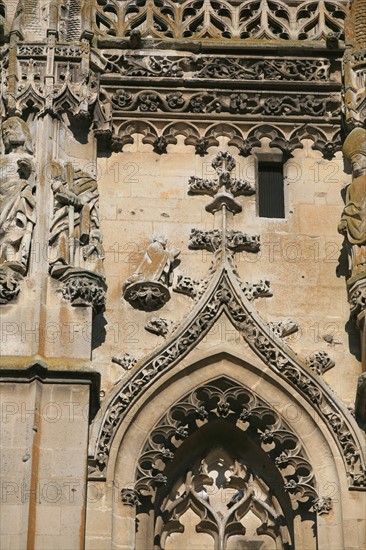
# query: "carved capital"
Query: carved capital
84,288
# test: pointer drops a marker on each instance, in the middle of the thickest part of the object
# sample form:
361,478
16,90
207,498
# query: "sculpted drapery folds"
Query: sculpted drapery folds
18,204
76,250
147,288
353,221
75,217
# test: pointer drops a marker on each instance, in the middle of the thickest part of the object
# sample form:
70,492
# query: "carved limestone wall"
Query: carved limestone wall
144,294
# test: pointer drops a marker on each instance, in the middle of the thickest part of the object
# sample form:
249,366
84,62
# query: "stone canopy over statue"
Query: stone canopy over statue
147,288
353,220
17,205
76,250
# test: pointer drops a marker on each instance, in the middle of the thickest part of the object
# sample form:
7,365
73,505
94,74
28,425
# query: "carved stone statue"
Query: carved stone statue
354,214
76,250
93,253
17,197
353,221
147,288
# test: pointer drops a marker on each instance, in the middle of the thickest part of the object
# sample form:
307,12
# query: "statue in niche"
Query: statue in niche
17,198
76,250
353,220
147,288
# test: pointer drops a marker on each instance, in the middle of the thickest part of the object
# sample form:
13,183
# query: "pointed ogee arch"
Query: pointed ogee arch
224,294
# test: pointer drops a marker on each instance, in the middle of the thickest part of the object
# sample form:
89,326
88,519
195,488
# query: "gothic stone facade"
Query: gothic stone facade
183,274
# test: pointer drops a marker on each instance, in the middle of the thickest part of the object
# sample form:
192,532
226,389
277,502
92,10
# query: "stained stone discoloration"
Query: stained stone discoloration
134,141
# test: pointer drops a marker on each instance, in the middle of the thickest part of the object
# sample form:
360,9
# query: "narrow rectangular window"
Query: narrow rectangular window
271,195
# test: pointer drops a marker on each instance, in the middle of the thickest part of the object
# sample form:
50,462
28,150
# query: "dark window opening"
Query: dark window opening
271,195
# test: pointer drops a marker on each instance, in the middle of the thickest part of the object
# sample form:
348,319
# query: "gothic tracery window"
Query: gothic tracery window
222,504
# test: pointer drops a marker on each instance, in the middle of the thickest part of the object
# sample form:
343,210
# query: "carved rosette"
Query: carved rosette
84,288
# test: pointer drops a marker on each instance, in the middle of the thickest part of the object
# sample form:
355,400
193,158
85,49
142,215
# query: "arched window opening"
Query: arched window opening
220,501
224,470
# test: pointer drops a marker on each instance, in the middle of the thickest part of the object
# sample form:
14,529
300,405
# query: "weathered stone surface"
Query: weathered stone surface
201,359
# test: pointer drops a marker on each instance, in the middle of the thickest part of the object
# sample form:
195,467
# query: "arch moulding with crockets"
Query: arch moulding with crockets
293,416
225,296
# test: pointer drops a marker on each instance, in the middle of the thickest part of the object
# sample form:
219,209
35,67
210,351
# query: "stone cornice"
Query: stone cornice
39,371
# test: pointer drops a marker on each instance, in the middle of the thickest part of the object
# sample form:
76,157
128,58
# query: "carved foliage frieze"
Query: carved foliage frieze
254,104
236,241
205,135
227,68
